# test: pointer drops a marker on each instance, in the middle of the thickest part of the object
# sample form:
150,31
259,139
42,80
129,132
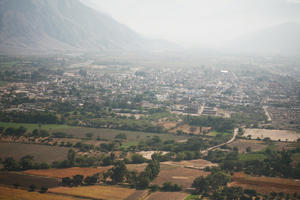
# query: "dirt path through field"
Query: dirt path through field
235,132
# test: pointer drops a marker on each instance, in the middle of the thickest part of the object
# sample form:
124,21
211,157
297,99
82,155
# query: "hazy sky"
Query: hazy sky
194,22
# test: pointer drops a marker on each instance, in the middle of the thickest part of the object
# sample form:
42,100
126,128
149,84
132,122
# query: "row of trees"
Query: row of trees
29,117
216,123
275,163
25,163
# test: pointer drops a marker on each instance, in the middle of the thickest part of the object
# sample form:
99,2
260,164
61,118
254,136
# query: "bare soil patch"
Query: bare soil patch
17,194
41,153
242,145
266,184
148,154
69,172
95,192
282,135
181,176
24,181
168,196
193,164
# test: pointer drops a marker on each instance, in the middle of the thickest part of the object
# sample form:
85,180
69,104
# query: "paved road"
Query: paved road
235,133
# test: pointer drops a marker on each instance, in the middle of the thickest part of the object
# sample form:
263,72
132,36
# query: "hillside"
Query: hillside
50,25
280,39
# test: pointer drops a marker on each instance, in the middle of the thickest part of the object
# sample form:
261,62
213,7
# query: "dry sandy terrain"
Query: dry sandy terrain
167,196
283,135
95,192
242,145
180,175
193,164
41,153
266,184
68,172
148,154
17,194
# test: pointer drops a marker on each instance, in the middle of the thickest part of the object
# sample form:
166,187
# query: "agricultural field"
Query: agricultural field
18,194
193,164
243,144
24,181
189,129
30,127
179,175
276,135
265,185
109,134
41,153
167,196
95,192
68,172
148,154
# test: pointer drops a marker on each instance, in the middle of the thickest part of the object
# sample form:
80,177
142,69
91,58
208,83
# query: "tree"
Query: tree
91,180
142,181
153,169
77,180
32,187
121,136
170,187
118,172
10,164
71,157
201,184
43,190
26,162
137,159
89,135
248,149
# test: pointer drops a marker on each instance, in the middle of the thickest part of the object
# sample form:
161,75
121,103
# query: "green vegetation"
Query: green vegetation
252,156
192,197
268,163
32,126
218,124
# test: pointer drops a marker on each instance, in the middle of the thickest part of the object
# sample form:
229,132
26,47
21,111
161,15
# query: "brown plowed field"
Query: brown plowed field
167,196
68,172
266,184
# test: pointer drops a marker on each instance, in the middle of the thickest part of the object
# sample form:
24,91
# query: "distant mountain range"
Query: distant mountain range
283,39
31,26
55,25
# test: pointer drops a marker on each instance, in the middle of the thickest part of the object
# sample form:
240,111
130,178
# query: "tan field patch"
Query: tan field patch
242,145
168,196
179,175
282,135
17,194
148,154
168,125
69,172
97,192
136,167
266,184
193,164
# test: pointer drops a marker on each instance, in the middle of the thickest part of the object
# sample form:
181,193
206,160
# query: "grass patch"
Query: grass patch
16,194
99,192
2,83
192,197
214,134
31,127
128,144
252,156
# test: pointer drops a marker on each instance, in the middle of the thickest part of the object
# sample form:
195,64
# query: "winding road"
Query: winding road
235,133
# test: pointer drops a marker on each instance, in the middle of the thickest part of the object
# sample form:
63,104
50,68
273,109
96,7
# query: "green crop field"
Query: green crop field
252,156
31,127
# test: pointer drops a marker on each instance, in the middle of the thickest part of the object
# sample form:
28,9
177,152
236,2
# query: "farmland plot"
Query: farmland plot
282,135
